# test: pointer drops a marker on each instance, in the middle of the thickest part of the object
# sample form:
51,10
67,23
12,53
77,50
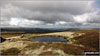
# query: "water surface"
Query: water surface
48,39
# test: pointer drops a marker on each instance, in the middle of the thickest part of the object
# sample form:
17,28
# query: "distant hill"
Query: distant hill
42,30
36,30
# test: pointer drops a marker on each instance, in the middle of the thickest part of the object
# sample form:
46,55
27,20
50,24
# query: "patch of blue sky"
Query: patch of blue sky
97,3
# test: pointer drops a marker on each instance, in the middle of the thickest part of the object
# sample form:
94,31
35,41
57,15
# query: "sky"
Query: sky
42,13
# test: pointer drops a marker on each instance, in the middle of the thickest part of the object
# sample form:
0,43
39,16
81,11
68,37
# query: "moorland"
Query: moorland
79,41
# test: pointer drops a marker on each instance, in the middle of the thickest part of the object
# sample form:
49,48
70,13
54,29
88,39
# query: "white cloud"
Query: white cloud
81,18
60,23
23,22
14,21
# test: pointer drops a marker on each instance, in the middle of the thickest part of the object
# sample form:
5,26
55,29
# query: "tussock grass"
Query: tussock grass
90,39
11,51
48,53
35,45
68,48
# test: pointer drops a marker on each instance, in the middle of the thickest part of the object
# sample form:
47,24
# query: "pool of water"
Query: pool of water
48,39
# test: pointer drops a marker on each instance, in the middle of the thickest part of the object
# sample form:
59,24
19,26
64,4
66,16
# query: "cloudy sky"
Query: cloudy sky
50,13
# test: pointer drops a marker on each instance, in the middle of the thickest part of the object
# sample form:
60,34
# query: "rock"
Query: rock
2,39
22,36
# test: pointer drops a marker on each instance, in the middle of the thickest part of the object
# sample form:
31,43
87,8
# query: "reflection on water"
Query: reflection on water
48,39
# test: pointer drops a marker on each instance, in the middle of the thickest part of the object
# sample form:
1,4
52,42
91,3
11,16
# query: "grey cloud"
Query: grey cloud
94,17
71,7
48,12
51,17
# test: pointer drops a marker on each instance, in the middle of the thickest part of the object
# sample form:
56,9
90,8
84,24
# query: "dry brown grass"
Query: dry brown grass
10,35
11,51
48,53
90,39
68,48
35,45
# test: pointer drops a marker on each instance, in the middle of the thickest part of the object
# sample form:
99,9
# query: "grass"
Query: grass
10,35
68,48
85,30
90,39
48,53
35,45
11,51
